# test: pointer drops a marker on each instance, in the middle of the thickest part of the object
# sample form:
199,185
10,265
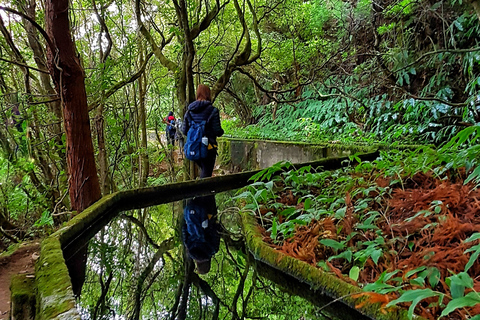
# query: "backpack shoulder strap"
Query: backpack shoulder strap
211,114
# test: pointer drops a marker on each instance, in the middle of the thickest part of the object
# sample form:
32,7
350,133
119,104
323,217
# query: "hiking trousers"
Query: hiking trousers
206,165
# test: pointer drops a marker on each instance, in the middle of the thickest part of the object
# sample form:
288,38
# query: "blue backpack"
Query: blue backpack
171,126
195,148
196,219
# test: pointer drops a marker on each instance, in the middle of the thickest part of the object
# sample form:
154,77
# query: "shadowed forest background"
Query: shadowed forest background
84,86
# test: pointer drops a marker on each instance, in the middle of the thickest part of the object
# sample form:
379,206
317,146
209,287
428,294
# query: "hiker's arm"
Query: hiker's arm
185,125
216,125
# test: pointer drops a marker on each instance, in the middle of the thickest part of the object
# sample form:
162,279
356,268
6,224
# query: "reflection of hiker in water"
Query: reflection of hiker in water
171,128
201,231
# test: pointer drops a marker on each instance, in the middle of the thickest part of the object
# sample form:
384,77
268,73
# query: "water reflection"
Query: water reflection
200,231
142,266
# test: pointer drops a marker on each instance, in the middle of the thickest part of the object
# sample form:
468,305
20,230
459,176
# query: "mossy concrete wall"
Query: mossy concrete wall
22,301
248,154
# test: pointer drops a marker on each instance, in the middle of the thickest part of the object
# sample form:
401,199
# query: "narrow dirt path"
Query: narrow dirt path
20,262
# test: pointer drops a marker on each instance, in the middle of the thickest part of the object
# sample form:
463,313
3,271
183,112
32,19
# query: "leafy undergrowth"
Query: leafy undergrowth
408,239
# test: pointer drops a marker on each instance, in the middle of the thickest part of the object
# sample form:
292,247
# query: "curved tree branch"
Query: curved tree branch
34,23
121,84
207,289
157,50
142,227
162,249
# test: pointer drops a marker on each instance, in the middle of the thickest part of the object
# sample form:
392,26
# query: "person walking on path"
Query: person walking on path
203,110
171,129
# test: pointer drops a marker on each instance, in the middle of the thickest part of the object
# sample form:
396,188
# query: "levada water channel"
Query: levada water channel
137,264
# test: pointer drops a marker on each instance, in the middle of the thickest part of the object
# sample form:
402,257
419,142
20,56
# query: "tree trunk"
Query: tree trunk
144,165
68,76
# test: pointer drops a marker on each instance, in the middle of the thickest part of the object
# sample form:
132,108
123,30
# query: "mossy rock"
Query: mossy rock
22,305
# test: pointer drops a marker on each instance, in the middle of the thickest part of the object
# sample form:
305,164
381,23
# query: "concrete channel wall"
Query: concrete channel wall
53,286
242,154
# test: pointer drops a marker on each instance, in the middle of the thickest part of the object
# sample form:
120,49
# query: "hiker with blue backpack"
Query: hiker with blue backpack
171,128
202,126
200,231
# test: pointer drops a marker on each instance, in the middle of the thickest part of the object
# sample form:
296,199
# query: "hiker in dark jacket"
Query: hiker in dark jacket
170,130
200,231
203,110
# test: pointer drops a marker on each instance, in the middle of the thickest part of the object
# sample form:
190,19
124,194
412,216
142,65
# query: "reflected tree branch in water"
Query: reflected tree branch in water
207,290
162,249
178,295
182,309
101,300
142,227
241,286
250,291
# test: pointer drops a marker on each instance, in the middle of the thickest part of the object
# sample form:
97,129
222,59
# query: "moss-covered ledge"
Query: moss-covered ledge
55,298
316,278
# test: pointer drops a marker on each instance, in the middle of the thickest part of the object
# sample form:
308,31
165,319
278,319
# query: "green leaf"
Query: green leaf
376,254
416,270
243,195
414,296
273,235
433,275
332,244
354,273
340,213
347,255
475,175
473,257
458,283
469,300
307,204
473,237
287,212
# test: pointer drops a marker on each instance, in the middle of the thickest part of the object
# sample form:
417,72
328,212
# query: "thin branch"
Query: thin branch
24,65
207,289
240,288
9,236
451,104
423,56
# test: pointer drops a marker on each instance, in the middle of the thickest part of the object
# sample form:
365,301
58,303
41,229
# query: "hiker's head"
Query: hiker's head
203,267
203,92
170,113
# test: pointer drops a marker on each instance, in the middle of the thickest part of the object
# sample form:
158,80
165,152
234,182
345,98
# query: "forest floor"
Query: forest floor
417,235
22,261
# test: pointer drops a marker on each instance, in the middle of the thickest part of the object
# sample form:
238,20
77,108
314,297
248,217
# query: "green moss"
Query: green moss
54,288
224,154
316,278
22,290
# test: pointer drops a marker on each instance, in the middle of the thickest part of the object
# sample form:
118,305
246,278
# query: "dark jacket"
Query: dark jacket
201,110
200,230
